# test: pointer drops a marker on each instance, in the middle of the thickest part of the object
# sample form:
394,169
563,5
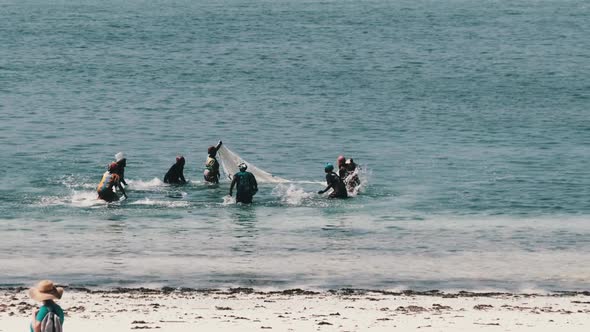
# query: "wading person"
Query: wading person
246,186
110,181
334,182
121,162
211,173
175,174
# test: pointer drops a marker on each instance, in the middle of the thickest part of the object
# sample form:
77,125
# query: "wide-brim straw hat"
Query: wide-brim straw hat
45,290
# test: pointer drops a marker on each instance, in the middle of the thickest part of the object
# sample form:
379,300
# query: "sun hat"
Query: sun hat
45,290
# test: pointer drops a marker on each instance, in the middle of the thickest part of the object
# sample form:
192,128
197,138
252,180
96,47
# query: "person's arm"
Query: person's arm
330,185
327,188
254,183
37,318
182,177
218,146
233,183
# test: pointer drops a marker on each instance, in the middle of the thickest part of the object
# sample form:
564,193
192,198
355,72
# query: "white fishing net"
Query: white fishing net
229,162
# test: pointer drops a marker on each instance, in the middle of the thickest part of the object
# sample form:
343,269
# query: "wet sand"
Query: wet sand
244,309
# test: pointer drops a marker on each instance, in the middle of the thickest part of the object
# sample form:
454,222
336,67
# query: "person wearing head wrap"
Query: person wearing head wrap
211,173
352,179
46,292
342,171
246,186
121,162
110,181
175,174
334,182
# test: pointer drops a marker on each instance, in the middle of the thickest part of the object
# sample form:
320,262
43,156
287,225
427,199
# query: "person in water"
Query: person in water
211,173
46,293
335,183
110,181
175,174
342,170
121,162
246,186
352,179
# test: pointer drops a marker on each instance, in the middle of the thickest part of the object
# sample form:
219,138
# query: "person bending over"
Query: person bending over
110,181
246,186
175,174
334,182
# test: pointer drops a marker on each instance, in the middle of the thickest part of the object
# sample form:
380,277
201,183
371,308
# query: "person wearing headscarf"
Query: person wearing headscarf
246,185
175,174
109,182
334,182
211,173
121,162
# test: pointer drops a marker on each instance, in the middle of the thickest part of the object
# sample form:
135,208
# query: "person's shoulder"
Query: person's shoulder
43,310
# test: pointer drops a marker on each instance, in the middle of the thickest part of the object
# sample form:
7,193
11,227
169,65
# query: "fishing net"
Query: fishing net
229,161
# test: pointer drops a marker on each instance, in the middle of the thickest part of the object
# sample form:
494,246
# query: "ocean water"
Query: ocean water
471,120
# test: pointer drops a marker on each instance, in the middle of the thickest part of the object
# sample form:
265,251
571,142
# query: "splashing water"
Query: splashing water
155,202
291,194
154,183
228,200
80,199
363,175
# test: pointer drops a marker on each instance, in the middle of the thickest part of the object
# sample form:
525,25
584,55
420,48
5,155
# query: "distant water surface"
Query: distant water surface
470,119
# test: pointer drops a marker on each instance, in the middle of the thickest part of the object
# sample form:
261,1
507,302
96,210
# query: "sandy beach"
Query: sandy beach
244,309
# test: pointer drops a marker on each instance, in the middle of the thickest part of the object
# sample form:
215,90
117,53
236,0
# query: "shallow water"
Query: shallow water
470,120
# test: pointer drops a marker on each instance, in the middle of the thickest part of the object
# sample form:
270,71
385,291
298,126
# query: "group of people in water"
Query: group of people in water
346,180
245,182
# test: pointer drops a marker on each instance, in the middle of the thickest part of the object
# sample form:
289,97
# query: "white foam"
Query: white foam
363,174
154,202
145,185
291,194
228,200
77,199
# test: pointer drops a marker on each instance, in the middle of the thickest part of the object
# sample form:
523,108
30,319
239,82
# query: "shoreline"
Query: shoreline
246,309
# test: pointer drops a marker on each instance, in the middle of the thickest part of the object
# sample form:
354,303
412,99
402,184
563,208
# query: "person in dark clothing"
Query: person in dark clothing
175,174
335,183
246,186
342,170
120,170
211,173
352,178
